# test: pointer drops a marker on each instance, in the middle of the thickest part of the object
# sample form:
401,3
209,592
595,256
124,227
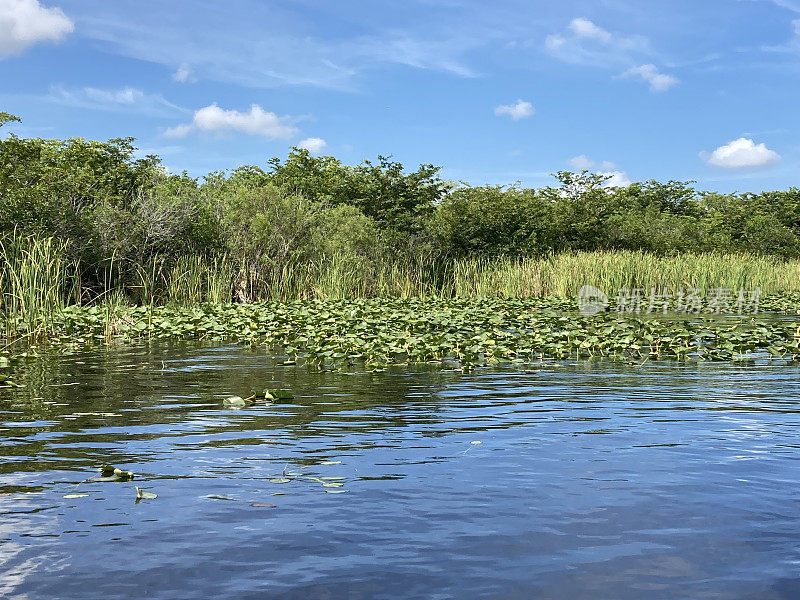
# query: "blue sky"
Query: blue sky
496,92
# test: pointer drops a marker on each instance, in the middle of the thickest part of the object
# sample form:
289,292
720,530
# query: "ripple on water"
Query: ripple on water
581,480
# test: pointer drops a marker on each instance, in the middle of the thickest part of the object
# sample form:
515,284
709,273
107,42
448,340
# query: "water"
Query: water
591,480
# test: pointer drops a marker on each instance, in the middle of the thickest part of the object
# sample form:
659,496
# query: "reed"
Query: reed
564,274
196,279
37,281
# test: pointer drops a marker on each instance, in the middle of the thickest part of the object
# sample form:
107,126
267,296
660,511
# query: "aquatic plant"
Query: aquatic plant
36,282
454,332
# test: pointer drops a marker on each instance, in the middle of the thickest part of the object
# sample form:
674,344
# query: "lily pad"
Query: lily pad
76,495
280,480
144,494
332,484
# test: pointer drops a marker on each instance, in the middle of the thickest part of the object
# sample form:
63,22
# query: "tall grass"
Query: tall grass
195,279
564,274
36,282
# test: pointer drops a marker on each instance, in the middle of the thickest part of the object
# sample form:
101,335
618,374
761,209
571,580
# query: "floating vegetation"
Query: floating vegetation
112,473
144,495
453,332
278,395
123,475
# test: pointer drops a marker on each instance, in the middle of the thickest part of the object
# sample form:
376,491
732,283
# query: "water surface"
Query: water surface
592,480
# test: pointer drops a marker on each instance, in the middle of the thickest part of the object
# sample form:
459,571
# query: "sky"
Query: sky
494,92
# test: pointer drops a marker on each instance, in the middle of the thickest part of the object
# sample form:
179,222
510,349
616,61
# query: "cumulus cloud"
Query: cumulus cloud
125,99
24,23
257,121
519,110
586,43
659,82
616,179
743,153
314,145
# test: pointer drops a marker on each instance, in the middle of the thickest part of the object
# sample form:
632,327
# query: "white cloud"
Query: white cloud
519,110
586,29
212,118
743,153
581,163
313,144
616,179
26,22
126,99
182,75
659,82
586,43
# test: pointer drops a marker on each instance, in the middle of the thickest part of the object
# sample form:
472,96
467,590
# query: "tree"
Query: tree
8,118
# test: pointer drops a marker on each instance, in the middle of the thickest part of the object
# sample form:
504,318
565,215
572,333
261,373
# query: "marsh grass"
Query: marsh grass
564,274
195,279
36,282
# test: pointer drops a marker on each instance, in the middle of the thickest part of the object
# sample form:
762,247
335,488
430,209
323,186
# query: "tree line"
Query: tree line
115,213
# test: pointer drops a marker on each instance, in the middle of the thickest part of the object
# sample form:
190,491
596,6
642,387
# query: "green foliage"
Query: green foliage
126,230
8,118
457,332
383,191
491,220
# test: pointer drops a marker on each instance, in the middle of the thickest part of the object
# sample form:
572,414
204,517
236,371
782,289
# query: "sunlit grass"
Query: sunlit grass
38,281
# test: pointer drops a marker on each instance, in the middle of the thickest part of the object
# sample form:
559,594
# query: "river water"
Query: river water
583,480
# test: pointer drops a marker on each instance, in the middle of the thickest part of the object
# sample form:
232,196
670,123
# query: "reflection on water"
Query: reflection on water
582,480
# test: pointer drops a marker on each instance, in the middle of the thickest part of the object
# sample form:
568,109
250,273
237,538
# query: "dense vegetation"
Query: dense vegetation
82,220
